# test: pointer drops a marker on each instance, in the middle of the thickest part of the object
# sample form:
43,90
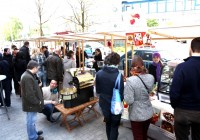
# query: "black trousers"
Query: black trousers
186,120
7,90
112,125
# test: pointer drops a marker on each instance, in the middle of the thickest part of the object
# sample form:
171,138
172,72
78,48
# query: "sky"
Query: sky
106,11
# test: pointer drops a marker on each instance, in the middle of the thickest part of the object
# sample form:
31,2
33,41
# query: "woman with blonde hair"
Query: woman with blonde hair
136,95
40,59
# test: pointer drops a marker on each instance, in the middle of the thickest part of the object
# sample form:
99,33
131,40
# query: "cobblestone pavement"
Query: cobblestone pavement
15,128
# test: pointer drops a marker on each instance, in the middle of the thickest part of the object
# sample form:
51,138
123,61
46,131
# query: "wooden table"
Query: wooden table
79,113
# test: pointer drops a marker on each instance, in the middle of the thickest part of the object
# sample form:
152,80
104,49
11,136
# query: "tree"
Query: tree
80,14
152,22
12,29
40,11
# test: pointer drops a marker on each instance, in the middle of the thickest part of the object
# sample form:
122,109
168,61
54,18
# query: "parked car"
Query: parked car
146,55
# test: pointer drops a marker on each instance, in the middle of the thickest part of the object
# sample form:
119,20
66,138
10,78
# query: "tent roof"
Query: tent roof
178,32
77,37
160,33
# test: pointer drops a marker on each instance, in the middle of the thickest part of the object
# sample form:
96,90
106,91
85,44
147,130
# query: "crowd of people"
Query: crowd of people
39,77
184,94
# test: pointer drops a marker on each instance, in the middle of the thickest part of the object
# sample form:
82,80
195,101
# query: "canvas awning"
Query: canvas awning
176,33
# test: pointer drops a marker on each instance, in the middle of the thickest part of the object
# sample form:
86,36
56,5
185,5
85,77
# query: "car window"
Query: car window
166,56
129,55
147,56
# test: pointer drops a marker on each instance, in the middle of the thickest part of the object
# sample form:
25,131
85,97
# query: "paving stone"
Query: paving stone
15,128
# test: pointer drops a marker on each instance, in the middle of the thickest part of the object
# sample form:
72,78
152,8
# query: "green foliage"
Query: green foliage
12,29
152,22
121,49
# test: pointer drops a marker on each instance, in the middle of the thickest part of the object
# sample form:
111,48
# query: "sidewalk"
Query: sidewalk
15,128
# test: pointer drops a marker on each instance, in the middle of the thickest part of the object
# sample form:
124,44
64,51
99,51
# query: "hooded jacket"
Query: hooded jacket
105,82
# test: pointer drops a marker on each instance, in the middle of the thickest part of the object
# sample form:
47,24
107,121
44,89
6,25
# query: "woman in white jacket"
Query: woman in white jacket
136,95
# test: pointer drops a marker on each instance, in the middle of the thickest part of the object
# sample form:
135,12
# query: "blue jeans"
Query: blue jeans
48,110
43,77
31,130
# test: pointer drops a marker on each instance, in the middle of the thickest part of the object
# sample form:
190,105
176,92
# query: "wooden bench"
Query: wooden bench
79,113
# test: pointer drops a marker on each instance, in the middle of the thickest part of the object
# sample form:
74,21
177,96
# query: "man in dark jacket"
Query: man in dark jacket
185,95
32,100
54,67
8,57
5,70
25,50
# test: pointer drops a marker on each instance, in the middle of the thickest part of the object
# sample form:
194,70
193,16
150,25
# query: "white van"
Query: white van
90,48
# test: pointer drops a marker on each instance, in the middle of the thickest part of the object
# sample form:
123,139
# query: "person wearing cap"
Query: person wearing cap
32,99
156,67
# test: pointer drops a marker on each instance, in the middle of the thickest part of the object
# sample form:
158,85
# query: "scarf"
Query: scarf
158,70
112,66
54,91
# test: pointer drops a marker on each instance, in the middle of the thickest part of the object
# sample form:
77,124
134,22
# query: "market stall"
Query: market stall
162,125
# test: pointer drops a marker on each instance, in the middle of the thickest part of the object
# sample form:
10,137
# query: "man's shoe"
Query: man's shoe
52,120
40,138
40,132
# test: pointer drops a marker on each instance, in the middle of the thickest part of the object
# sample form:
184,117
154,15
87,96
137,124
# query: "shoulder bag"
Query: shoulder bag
143,83
116,103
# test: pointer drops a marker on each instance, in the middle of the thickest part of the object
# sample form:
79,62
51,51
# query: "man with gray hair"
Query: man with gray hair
54,67
32,100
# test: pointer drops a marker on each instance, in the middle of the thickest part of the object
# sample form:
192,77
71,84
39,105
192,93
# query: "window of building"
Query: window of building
179,5
144,7
162,7
153,7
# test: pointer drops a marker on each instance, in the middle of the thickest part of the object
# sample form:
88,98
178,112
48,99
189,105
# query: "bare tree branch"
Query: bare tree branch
71,20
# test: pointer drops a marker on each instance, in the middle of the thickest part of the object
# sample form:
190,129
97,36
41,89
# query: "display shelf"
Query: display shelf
165,83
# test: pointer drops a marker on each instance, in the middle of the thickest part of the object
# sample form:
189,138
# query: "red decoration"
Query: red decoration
132,21
133,17
109,44
136,16
136,38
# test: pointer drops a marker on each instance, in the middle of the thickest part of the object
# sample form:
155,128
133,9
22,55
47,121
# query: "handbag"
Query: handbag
116,103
